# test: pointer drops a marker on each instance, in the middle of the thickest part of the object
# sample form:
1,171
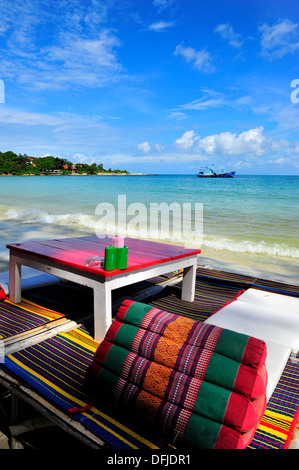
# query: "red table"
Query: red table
66,258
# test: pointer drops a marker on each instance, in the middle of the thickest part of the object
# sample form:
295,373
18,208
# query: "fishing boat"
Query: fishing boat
211,173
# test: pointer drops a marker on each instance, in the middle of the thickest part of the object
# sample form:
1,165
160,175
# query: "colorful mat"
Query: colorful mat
56,368
247,281
277,425
209,297
17,318
280,416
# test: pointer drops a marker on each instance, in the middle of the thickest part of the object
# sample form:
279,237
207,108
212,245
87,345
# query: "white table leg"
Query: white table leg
102,310
188,286
15,270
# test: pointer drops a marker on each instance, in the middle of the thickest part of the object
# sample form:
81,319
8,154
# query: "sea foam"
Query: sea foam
29,216
92,224
251,246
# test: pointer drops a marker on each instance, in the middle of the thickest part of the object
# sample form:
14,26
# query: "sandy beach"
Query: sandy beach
246,263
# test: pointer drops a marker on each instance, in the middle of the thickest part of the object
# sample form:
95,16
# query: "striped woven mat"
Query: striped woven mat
247,281
209,297
277,425
73,351
56,368
17,318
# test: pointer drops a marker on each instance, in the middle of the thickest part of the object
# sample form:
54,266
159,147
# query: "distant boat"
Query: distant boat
210,173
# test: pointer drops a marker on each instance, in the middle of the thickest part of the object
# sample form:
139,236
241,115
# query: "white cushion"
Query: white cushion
262,322
271,317
271,299
277,357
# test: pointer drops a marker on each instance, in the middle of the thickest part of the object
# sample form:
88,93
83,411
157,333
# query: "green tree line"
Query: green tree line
13,164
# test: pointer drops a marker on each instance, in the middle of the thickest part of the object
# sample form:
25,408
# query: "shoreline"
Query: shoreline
86,174
219,264
275,268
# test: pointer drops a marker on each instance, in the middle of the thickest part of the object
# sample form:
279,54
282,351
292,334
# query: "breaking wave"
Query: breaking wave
92,223
29,216
249,246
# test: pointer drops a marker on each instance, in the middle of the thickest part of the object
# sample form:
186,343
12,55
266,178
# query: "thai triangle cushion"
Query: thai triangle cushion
195,385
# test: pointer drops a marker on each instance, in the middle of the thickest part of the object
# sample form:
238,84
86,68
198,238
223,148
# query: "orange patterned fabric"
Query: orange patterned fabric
180,377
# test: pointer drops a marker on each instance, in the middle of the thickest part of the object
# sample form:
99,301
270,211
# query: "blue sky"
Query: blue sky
155,86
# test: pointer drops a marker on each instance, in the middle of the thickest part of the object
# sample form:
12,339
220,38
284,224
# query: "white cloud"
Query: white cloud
178,115
78,51
186,141
282,160
159,147
251,142
203,103
58,121
16,116
75,52
226,31
279,39
89,62
248,146
213,99
201,60
34,132
145,147
162,4
161,26
170,157
80,158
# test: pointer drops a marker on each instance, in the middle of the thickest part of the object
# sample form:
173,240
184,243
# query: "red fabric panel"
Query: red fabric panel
246,438
112,331
260,404
100,355
74,251
2,294
228,438
121,313
262,377
250,382
240,413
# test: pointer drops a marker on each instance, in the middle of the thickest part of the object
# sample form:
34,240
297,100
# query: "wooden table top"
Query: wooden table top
73,252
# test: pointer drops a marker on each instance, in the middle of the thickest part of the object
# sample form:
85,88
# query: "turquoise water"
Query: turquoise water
250,223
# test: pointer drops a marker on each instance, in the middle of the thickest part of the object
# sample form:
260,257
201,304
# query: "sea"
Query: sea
246,224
